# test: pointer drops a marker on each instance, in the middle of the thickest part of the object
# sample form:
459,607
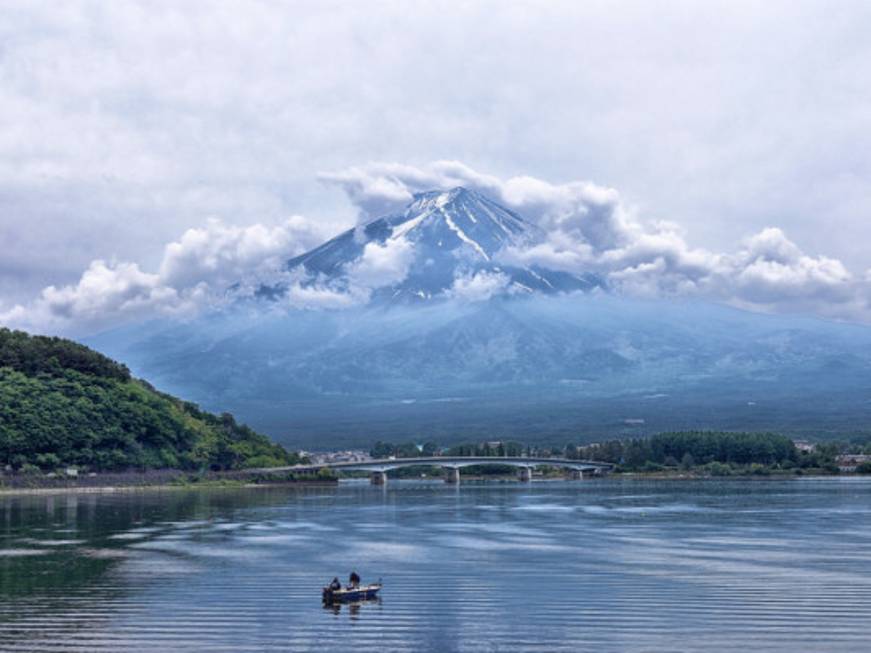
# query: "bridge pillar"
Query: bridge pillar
577,474
525,474
452,474
378,478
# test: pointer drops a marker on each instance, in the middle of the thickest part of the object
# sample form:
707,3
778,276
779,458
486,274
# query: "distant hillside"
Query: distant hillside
546,370
62,403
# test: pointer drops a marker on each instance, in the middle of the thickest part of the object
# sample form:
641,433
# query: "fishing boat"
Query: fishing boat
348,594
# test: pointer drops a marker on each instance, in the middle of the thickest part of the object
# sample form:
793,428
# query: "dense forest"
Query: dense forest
383,449
717,450
712,452
62,404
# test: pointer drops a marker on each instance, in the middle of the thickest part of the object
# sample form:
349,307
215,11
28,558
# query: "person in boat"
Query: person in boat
335,585
354,580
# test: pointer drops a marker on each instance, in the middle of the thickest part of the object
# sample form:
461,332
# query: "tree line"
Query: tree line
428,449
717,451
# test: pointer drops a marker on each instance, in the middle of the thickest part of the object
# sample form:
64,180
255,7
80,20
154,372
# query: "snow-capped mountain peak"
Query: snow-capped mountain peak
460,218
453,235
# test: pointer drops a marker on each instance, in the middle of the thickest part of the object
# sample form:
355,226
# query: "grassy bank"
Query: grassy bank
162,478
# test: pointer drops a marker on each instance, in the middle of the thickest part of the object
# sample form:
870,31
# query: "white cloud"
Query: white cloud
318,297
589,228
379,265
772,270
380,188
106,293
479,286
382,264
221,254
585,228
108,288
195,272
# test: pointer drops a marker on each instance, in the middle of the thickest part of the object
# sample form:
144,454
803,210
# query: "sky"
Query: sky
151,152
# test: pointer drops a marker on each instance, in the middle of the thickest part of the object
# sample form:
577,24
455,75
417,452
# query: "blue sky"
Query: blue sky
150,143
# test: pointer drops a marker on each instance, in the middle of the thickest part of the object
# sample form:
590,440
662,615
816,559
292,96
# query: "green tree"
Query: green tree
64,404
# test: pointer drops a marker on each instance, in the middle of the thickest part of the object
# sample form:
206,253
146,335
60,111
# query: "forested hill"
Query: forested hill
62,403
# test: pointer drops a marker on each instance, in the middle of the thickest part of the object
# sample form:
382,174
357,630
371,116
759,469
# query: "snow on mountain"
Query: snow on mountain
455,236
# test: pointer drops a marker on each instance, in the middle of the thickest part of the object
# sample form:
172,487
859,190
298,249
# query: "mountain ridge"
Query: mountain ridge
454,234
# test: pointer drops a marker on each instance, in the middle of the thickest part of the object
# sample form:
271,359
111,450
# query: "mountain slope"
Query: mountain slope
64,404
536,369
453,233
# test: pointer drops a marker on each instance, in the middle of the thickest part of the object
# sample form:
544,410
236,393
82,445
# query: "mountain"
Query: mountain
540,369
542,361
64,404
453,234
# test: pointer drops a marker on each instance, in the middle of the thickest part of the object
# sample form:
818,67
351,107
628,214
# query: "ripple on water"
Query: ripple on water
545,507
571,567
41,542
17,553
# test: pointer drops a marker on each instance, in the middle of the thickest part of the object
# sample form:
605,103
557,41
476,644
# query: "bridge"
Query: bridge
378,468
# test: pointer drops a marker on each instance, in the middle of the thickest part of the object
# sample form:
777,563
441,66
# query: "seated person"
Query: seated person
335,585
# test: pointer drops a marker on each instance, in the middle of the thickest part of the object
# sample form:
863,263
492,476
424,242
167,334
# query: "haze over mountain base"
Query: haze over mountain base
433,323
540,369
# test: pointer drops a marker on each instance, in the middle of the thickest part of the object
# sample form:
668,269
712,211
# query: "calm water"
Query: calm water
594,565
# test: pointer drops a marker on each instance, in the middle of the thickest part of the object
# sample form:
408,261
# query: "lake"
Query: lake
601,565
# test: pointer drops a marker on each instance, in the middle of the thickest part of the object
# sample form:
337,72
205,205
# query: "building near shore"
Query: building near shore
849,462
325,457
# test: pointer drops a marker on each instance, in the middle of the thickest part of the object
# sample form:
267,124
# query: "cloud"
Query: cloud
480,286
586,211
381,264
321,297
221,255
584,228
772,270
107,293
381,188
109,288
590,228
196,271
208,268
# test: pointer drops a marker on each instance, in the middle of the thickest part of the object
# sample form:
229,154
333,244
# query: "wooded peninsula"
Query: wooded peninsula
63,404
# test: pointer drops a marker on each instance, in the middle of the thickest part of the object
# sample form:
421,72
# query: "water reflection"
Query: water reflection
604,565
352,608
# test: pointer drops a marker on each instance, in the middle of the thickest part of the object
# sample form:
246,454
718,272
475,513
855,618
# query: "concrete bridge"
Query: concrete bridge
378,468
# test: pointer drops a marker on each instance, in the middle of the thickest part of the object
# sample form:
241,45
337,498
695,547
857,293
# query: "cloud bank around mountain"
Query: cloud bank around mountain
591,228
586,227
195,272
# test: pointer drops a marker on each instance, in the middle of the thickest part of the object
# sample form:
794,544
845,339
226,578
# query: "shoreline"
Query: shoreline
161,487
227,484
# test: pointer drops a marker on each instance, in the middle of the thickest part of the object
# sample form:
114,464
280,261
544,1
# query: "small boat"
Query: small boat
348,594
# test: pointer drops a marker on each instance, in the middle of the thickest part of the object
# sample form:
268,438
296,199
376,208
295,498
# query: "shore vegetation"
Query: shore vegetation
64,405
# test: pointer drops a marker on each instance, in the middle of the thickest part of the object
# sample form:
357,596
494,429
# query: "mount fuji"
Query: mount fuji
452,234
551,357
